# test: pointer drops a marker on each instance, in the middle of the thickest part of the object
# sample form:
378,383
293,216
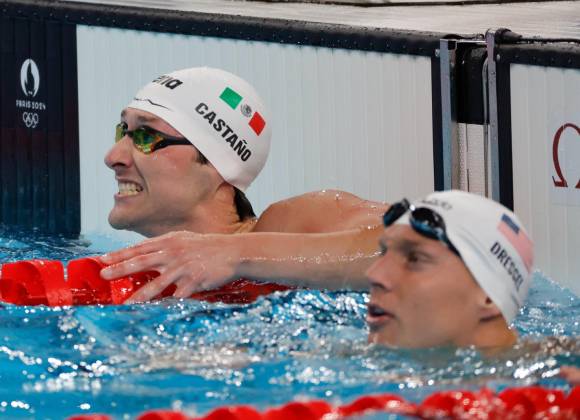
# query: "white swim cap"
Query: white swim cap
221,114
492,242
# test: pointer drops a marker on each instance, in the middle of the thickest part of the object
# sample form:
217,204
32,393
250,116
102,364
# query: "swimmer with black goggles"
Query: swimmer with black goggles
423,220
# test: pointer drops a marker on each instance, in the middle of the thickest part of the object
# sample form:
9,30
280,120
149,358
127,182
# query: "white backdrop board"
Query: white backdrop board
545,110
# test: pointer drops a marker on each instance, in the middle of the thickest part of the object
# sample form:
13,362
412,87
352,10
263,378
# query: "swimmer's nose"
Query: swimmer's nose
381,273
120,154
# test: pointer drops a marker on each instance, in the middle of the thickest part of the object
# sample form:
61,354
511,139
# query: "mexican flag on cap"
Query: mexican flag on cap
233,99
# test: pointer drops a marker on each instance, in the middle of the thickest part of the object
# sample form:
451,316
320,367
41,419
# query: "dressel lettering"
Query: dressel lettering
508,263
168,81
238,145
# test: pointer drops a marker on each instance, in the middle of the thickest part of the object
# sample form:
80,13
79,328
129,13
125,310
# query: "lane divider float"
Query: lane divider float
526,403
43,282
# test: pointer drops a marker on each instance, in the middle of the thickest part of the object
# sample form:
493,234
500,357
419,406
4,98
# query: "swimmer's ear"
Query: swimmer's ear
487,309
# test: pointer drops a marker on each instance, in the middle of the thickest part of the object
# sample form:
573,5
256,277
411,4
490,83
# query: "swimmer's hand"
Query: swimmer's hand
571,374
193,262
196,262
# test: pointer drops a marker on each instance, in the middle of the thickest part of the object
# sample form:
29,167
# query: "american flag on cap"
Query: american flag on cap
518,238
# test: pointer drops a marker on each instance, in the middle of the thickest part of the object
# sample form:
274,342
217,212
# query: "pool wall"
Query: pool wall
380,112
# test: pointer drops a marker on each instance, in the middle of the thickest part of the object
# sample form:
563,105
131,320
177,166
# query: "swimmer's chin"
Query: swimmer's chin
120,223
148,230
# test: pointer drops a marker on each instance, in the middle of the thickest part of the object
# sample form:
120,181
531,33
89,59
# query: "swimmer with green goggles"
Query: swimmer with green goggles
147,139
183,196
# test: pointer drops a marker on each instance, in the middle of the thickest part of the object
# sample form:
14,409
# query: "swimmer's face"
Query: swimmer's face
421,295
158,192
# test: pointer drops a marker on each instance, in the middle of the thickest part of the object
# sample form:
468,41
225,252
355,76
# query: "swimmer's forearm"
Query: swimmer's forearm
323,261
195,262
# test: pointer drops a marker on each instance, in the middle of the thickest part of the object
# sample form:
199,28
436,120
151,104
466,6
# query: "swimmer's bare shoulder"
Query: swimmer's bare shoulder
321,212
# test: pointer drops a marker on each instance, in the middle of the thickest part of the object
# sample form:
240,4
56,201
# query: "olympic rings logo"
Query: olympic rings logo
30,119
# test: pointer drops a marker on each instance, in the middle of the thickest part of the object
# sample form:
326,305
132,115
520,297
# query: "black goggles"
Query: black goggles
423,220
147,139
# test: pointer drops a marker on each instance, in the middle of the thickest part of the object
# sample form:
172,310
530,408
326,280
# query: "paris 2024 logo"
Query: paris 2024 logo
31,107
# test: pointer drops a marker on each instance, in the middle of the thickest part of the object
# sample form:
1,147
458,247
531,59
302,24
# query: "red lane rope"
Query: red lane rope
42,282
528,403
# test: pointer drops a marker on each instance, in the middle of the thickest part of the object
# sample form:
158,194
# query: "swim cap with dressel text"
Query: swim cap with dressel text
492,242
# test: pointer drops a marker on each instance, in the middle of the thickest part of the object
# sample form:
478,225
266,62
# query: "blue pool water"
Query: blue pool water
195,356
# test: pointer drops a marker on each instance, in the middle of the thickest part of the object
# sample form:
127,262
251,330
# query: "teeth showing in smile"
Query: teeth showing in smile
129,188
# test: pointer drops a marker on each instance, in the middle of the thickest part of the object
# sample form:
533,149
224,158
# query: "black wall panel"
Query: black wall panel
39,158
23,144
504,123
70,127
438,170
7,131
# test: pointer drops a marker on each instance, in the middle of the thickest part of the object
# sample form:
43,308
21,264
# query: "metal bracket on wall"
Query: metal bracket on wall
456,62
484,90
492,115
450,140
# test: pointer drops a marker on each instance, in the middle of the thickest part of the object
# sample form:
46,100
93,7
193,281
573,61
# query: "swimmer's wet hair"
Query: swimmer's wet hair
243,205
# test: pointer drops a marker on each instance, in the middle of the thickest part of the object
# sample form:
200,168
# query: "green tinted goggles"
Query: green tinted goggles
147,139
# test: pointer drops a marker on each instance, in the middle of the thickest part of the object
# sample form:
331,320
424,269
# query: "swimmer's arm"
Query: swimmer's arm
196,262
335,240
321,212
332,261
